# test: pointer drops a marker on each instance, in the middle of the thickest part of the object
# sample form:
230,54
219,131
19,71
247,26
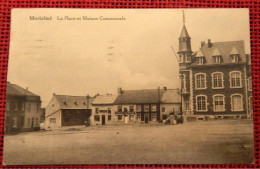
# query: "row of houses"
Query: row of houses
215,82
128,106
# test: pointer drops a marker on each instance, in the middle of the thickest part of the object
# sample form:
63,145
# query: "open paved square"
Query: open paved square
202,142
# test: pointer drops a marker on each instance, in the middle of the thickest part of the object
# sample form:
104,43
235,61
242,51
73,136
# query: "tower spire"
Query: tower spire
183,17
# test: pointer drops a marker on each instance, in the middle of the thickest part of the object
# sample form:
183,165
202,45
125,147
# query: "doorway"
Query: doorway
146,117
32,123
103,119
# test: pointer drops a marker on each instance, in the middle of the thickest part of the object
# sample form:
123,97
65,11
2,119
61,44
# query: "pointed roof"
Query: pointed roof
13,89
200,54
184,32
73,102
224,48
146,96
171,96
216,52
234,51
104,99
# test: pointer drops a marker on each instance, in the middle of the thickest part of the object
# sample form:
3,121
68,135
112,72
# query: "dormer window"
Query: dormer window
217,59
200,60
76,103
64,102
234,58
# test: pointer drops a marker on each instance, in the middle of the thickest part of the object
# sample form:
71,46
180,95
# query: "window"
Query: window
131,108
52,105
164,117
52,120
109,110
29,107
96,110
153,107
119,108
234,58
217,80
15,106
15,122
109,117
235,79
201,103
249,84
96,118
200,81
236,102
183,82
146,108
36,121
200,60
138,117
125,109
181,58
7,106
218,103
22,107
187,105
217,59
188,58
119,117
138,108
28,122
163,109
131,117
154,117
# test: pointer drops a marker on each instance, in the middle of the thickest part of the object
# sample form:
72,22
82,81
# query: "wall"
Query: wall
227,91
32,115
52,111
102,110
169,108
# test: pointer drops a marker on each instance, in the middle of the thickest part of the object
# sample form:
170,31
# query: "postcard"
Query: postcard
129,86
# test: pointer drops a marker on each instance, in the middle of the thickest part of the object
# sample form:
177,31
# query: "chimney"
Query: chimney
119,91
26,90
202,43
209,43
164,88
96,95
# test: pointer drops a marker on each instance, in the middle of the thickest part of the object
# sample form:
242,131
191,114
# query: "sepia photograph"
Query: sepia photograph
129,86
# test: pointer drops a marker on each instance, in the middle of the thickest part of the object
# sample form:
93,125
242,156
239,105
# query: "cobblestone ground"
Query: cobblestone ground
203,142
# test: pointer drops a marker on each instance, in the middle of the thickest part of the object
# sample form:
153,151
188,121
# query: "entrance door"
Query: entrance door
103,119
146,117
32,122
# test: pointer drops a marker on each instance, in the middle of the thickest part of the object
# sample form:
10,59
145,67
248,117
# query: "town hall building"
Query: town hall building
215,80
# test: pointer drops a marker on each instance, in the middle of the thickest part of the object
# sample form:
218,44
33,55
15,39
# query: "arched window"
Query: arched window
235,79
200,81
249,84
217,80
236,102
183,83
181,57
188,58
218,103
201,103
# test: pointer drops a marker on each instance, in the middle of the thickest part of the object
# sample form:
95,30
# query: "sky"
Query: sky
80,57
